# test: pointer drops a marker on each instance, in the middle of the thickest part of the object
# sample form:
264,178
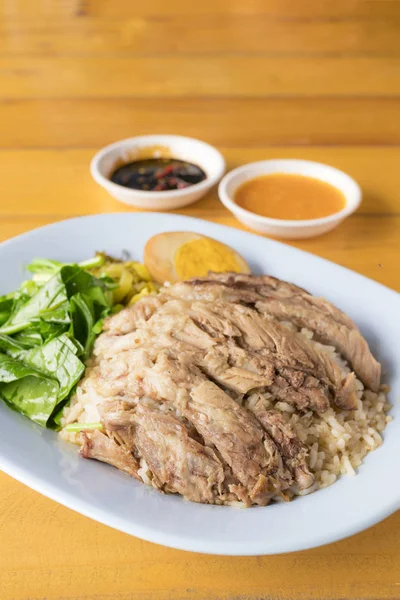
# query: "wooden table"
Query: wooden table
258,78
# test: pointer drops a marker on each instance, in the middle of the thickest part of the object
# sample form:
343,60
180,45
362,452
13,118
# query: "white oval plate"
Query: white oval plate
37,458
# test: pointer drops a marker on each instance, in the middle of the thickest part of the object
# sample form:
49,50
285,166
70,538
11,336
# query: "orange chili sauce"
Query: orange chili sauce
290,197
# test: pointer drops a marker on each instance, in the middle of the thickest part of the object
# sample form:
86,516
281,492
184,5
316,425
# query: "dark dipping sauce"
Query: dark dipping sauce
158,174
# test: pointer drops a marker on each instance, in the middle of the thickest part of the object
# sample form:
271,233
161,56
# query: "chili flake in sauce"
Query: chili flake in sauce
158,174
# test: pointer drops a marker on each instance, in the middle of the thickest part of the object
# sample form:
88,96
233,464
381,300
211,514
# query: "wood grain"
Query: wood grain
213,34
260,79
198,76
280,9
244,122
301,9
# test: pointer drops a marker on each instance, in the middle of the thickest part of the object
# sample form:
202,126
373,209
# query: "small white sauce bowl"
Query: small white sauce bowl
289,229
194,151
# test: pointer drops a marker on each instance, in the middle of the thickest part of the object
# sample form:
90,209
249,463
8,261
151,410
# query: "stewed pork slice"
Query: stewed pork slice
178,463
265,285
232,429
293,451
238,437
131,318
221,422
99,446
155,329
240,349
177,455
245,350
287,302
348,341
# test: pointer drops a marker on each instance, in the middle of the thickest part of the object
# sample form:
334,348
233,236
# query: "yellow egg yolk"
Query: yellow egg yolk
197,257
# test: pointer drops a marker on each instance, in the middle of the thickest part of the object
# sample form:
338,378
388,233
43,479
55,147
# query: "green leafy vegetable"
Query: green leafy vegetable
34,382
27,390
57,359
60,315
34,397
47,330
11,347
83,322
52,294
6,305
44,265
32,336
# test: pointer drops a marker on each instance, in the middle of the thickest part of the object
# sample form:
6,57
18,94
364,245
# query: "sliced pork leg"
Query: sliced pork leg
238,437
349,342
285,301
177,462
294,453
99,446
289,363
